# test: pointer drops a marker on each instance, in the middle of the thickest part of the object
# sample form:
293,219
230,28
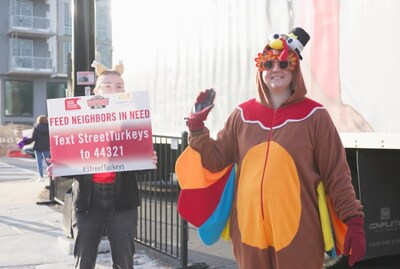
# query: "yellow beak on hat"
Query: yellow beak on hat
276,44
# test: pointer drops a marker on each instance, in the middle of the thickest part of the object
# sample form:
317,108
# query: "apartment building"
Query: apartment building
35,50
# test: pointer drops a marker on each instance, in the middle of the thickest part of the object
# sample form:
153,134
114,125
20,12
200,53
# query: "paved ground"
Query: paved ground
31,235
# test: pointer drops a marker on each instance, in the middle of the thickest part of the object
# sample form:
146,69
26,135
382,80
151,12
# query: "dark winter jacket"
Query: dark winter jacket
41,137
126,191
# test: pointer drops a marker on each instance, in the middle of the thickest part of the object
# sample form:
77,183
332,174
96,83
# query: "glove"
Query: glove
204,104
21,142
355,240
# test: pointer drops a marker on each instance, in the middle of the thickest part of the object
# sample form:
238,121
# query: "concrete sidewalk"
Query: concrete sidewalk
31,235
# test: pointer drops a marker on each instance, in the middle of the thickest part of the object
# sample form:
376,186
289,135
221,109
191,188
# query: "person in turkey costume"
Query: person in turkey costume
284,145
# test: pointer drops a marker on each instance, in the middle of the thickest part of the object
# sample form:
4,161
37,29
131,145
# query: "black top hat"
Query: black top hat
297,40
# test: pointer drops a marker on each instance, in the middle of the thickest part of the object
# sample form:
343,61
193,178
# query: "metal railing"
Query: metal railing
30,62
159,225
29,22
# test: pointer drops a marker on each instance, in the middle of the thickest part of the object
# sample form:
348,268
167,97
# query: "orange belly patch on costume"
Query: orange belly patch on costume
278,196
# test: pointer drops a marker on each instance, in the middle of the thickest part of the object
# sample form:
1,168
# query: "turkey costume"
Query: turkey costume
281,155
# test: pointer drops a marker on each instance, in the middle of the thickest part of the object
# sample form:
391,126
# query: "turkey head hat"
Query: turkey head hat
294,41
286,49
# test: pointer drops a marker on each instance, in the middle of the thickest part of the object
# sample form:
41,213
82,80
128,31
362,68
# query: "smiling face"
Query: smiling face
277,79
277,74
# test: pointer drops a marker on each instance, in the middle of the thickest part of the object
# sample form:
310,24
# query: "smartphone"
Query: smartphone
208,101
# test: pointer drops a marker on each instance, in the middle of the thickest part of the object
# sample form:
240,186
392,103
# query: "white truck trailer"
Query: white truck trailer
351,66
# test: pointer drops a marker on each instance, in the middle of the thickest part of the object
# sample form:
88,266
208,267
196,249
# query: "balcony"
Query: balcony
30,26
19,65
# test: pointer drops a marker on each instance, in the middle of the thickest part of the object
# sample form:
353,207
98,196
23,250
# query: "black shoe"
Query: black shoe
47,187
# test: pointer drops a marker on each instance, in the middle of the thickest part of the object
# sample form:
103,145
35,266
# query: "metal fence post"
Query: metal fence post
51,200
184,224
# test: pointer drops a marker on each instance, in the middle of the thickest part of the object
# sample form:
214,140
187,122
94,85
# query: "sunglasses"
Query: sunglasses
266,60
269,65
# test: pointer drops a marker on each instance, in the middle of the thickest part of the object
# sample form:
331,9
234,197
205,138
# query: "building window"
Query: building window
67,48
67,19
23,52
23,11
18,98
56,90
103,55
102,22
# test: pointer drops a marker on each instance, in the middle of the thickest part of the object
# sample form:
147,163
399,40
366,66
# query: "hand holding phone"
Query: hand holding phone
203,105
204,99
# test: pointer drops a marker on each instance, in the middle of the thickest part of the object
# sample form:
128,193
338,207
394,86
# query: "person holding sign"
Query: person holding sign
105,201
285,146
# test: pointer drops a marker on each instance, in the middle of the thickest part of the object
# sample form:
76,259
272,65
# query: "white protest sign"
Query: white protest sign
94,134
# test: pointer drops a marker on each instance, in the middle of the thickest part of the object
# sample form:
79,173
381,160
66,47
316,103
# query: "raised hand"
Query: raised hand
203,105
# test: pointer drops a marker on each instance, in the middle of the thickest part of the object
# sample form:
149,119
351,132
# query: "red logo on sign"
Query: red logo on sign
98,102
72,104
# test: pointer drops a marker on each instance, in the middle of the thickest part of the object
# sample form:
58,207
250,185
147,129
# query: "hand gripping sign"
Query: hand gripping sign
94,134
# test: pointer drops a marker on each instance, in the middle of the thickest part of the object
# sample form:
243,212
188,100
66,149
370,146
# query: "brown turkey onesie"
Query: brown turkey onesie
284,145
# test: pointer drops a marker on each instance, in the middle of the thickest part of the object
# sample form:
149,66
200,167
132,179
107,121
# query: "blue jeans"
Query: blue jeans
40,156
